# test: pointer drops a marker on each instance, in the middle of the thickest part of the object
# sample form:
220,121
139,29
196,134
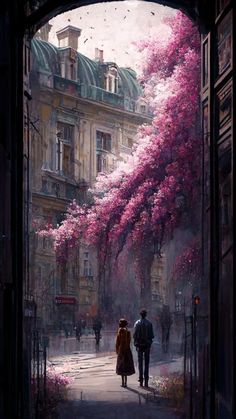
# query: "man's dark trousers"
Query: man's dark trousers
143,353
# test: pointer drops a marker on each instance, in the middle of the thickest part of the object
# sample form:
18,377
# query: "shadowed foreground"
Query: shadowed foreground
96,392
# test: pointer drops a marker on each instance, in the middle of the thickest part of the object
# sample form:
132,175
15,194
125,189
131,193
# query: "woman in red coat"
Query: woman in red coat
125,363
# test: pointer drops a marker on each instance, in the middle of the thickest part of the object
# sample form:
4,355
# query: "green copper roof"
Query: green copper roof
89,72
129,85
45,56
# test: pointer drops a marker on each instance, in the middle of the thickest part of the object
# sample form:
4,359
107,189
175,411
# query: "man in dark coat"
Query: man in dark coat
143,337
78,330
97,326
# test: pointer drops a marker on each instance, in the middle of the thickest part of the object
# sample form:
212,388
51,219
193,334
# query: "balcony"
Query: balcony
100,95
94,93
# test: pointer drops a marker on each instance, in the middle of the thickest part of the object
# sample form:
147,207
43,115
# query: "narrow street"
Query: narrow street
96,391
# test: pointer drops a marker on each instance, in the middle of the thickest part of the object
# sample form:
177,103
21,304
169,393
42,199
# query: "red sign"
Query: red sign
65,300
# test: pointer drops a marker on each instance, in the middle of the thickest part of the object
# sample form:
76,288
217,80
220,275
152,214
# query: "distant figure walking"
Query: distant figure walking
66,330
97,326
78,330
166,322
143,337
125,363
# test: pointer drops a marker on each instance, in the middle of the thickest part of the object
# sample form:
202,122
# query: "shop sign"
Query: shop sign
65,300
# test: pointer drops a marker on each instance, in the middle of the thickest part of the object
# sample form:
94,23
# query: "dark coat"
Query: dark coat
143,334
125,363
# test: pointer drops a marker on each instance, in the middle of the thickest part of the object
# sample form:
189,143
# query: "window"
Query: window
87,265
66,132
72,72
130,142
143,108
111,80
156,286
59,146
103,140
110,83
101,163
87,299
64,141
66,160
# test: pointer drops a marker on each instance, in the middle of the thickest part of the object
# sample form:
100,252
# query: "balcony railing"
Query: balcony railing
94,93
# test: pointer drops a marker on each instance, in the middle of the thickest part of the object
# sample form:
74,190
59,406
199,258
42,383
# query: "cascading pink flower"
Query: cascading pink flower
139,199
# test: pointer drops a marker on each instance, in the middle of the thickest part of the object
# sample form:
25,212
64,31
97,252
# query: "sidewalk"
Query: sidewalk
96,393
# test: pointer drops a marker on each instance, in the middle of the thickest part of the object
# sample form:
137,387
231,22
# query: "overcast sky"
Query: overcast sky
113,27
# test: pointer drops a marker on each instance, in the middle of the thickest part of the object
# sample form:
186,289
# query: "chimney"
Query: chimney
68,37
43,32
99,55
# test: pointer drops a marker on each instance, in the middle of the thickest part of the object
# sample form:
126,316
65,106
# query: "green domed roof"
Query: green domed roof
46,57
128,83
88,71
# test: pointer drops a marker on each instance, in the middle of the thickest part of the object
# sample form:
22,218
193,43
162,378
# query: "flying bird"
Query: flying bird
86,40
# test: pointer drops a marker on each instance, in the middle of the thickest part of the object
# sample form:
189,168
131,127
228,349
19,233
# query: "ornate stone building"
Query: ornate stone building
84,117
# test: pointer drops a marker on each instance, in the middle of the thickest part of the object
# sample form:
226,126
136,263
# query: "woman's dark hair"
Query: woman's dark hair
123,323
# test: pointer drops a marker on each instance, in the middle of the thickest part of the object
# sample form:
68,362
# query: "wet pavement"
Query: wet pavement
95,391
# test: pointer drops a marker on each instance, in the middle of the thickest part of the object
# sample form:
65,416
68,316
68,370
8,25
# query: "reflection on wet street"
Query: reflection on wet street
86,345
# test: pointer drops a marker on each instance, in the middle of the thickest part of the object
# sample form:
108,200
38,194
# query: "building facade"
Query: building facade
84,116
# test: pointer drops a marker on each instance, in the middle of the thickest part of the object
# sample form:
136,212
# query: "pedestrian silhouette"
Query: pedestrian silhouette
143,337
97,326
125,363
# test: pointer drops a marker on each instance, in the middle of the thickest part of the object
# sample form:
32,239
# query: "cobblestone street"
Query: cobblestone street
95,391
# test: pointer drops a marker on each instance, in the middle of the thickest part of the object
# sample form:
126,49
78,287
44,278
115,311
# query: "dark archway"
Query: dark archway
218,94
40,14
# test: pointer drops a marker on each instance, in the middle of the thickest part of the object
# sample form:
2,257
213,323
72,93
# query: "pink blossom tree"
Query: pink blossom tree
140,204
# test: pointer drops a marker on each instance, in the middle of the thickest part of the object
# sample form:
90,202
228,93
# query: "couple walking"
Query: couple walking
143,336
